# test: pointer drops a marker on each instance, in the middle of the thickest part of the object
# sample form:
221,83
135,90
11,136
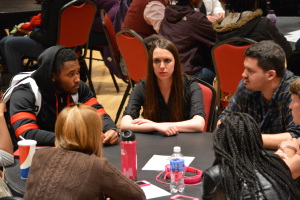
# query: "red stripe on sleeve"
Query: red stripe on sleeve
22,115
24,128
101,111
91,101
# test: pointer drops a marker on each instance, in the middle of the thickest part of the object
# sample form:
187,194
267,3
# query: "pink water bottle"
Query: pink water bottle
128,155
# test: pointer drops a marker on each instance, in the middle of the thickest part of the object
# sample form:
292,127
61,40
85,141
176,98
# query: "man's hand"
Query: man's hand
110,137
25,32
166,128
212,19
221,15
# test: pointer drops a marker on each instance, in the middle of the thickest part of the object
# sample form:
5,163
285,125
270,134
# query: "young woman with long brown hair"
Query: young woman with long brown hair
172,102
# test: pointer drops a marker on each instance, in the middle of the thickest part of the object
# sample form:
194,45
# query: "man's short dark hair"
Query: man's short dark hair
270,56
63,56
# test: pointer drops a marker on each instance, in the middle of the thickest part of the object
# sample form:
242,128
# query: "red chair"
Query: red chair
228,59
135,55
115,55
209,101
75,23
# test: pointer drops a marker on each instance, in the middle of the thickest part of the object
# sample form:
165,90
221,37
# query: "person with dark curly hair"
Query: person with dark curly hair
242,168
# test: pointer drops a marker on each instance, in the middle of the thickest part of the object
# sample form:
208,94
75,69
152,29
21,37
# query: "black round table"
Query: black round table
198,145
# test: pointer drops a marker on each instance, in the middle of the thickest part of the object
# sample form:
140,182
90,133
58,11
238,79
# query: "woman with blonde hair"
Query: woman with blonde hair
172,102
75,169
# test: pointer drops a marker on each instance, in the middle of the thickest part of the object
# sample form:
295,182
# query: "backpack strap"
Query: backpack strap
24,78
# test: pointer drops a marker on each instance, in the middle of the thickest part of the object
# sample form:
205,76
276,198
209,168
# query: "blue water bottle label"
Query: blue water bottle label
177,165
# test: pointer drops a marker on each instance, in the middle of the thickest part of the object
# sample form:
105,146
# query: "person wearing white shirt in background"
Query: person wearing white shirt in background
214,9
145,16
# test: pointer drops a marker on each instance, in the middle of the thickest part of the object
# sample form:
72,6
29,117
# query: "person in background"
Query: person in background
58,81
13,48
6,147
193,36
213,9
263,93
253,26
75,169
144,17
172,102
97,36
242,168
289,149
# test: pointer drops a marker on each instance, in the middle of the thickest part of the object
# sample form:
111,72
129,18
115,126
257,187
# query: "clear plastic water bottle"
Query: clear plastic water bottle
272,16
177,171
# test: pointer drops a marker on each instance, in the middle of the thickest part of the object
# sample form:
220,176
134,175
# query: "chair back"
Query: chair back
110,35
134,53
75,23
209,102
228,59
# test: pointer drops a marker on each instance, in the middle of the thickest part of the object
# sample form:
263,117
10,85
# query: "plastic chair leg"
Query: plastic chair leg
122,103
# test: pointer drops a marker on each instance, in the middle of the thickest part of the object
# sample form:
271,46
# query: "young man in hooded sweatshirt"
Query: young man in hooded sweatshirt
57,79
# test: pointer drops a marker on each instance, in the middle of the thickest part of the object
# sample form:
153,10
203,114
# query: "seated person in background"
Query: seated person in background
213,9
144,17
75,169
6,147
36,41
289,149
172,102
193,36
97,36
58,80
242,168
263,93
250,25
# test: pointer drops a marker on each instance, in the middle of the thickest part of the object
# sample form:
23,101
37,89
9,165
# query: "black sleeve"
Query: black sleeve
23,118
209,186
196,100
86,97
136,101
49,30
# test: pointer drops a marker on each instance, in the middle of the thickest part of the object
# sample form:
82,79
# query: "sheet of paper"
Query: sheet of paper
152,191
292,36
158,162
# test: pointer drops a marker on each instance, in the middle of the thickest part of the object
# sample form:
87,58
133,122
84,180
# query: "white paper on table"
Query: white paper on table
292,36
159,162
152,191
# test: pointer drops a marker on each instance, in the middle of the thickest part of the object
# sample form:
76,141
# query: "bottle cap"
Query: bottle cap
127,136
177,149
271,11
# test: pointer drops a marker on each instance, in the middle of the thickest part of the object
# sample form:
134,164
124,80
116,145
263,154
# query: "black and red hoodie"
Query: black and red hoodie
21,106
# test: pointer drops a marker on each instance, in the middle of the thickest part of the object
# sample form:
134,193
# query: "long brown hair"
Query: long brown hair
175,103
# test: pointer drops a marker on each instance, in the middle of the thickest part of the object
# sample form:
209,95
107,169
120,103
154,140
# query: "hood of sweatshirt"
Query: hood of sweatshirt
43,75
233,24
176,13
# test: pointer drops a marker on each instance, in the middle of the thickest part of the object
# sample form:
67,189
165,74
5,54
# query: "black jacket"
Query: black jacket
41,127
213,190
192,34
253,27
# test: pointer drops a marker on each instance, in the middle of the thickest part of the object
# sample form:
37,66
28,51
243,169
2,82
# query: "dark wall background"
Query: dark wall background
281,7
